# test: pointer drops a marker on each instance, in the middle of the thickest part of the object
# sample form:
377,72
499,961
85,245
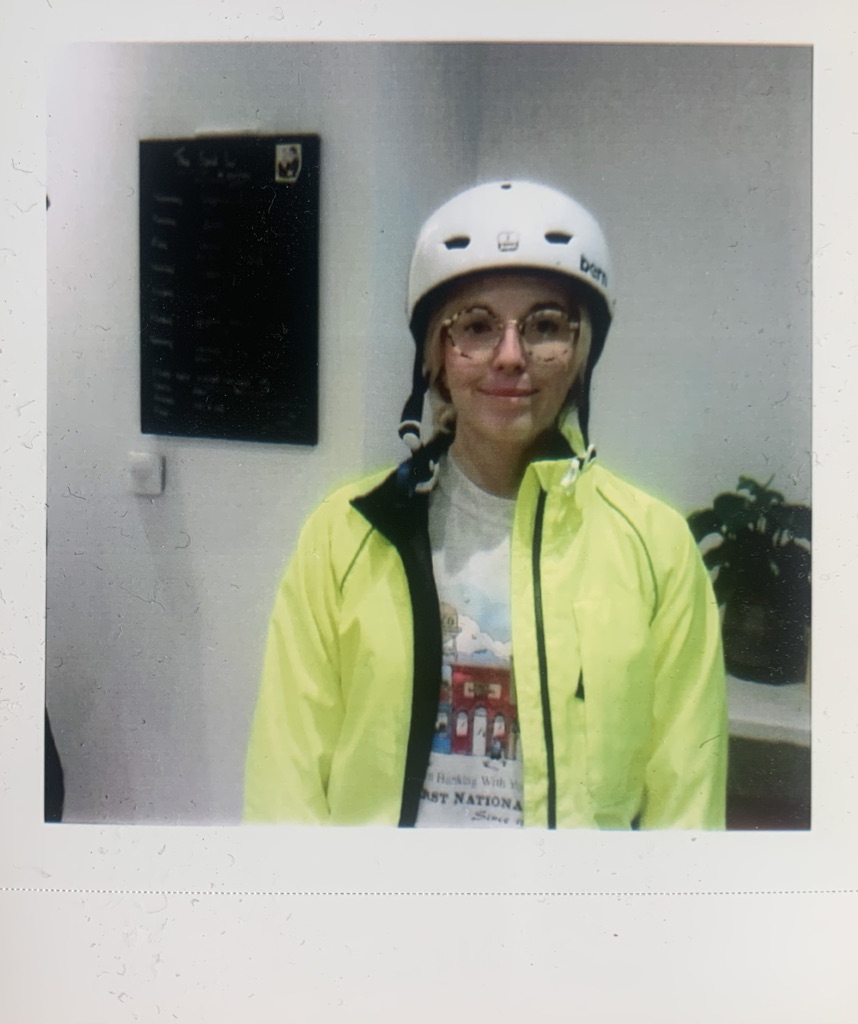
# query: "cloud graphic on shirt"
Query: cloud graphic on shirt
482,584
484,570
477,645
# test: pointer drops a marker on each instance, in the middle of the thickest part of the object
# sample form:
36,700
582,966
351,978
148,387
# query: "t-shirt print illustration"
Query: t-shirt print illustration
474,777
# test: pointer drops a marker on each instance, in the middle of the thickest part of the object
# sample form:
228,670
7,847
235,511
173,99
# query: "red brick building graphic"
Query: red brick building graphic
482,712
476,710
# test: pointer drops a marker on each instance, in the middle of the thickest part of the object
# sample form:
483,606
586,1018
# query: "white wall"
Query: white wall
696,161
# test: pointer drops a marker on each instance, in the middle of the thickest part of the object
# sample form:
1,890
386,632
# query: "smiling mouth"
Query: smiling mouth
508,393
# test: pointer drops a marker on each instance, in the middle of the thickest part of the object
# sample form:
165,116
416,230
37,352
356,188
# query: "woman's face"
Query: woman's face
506,397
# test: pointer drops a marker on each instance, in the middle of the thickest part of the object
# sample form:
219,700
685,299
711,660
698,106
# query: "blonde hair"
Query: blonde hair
443,410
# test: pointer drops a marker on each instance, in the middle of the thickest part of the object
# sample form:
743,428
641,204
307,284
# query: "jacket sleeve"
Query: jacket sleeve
686,774
299,709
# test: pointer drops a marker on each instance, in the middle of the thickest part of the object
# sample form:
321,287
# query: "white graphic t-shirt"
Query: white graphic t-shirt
474,777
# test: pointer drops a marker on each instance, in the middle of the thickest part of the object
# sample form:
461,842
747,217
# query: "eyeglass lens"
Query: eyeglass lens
543,332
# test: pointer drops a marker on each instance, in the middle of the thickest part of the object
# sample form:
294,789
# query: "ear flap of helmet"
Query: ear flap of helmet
601,321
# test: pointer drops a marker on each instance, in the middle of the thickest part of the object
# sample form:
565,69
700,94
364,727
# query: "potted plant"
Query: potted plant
761,565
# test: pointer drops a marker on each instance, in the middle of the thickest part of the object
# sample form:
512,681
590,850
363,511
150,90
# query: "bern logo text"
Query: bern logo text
594,270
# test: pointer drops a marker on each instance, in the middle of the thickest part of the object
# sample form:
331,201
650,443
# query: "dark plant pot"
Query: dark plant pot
762,644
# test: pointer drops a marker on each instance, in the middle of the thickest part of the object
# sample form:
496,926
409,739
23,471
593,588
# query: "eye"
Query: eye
475,323
546,325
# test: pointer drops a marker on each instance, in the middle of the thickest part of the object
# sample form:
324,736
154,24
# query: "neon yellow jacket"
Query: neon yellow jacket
615,636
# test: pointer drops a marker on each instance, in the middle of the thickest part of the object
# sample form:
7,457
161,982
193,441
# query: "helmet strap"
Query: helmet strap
569,424
584,407
419,474
412,412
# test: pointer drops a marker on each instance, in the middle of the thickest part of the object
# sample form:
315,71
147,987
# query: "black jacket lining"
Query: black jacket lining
404,522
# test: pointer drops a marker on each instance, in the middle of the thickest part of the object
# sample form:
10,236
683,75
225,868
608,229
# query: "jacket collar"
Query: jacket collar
396,508
392,510
568,457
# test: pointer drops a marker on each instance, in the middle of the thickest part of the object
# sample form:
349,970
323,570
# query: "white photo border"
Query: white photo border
776,889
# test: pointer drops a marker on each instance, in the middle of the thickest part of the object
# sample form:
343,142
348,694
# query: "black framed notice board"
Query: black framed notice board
229,284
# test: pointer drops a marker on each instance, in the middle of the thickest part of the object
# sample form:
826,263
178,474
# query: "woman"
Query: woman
500,632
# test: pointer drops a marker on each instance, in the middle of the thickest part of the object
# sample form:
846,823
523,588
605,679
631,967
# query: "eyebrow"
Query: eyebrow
535,308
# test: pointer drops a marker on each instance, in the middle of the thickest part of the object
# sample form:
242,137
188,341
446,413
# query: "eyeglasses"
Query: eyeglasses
545,334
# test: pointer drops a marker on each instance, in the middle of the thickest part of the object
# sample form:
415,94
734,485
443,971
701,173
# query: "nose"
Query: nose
510,353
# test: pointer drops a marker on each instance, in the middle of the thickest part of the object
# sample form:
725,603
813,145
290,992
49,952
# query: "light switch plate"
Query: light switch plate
146,472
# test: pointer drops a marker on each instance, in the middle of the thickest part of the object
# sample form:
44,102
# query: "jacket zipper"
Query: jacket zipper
542,660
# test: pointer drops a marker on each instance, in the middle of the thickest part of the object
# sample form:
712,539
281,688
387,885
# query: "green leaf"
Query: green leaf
703,522
799,521
746,483
790,521
715,557
760,493
724,585
734,512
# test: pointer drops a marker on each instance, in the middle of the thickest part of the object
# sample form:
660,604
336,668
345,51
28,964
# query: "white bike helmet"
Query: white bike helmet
509,224
505,225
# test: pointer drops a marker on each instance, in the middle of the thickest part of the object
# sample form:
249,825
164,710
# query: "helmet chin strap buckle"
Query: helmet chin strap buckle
425,486
419,473
409,432
576,467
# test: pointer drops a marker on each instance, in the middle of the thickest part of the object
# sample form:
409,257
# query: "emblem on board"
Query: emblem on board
287,163
508,241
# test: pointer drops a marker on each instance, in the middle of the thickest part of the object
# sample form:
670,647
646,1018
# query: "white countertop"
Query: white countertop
760,711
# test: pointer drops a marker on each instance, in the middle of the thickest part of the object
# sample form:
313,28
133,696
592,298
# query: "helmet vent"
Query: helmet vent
558,237
458,242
